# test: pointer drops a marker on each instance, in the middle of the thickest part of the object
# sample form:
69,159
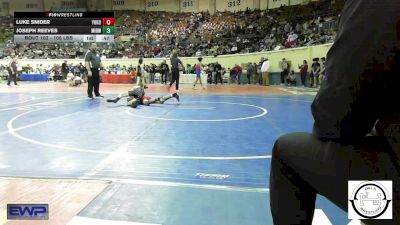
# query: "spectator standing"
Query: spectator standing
12,71
238,72
141,79
265,72
322,75
303,72
232,75
152,71
218,74
250,72
164,72
285,70
314,75
257,76
64,70
210,74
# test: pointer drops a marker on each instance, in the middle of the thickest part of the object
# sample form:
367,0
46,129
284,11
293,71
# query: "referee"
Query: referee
175,62
93,65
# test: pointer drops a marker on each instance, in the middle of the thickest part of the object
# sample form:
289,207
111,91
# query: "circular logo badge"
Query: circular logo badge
370,199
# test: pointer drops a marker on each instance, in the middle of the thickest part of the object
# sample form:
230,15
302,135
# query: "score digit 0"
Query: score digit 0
108,21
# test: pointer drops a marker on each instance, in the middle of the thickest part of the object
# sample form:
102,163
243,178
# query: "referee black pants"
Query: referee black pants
175,78
303,166
12,77
94,83
218,77
164,76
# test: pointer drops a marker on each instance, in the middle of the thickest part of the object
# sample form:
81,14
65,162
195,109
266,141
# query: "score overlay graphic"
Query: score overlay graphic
63,27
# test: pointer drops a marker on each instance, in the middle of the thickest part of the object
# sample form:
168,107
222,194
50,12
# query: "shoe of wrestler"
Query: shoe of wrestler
175,95
99,96
91,97
115,100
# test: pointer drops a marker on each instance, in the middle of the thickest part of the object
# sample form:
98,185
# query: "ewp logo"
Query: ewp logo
27,211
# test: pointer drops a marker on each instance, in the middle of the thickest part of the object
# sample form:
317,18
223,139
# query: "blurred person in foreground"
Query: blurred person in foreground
356,133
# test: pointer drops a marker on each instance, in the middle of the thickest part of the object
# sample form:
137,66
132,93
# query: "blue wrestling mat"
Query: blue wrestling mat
203,160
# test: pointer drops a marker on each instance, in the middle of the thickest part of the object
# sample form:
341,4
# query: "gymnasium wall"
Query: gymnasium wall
24,6
190,5
296,56
58,4
126,5
272,4
163,5
233,5
150,5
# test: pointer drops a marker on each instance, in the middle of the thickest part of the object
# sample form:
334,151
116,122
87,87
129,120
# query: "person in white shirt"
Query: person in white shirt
264,71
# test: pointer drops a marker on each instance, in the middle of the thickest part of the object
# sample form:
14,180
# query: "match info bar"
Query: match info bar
62,38
63,27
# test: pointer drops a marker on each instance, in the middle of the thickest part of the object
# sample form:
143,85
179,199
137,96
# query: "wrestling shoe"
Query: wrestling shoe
115,100
175,95
91,97
99,96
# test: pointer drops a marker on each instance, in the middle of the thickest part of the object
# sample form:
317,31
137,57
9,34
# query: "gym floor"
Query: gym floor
203,160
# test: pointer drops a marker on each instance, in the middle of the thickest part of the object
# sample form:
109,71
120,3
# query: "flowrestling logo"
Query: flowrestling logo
370,199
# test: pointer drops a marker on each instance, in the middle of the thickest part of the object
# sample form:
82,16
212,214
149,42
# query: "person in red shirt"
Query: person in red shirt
238,72
303,72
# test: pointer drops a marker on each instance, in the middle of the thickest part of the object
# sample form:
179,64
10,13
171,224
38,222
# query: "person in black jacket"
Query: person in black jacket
164,72
356,133
12,72
64,70
218,75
